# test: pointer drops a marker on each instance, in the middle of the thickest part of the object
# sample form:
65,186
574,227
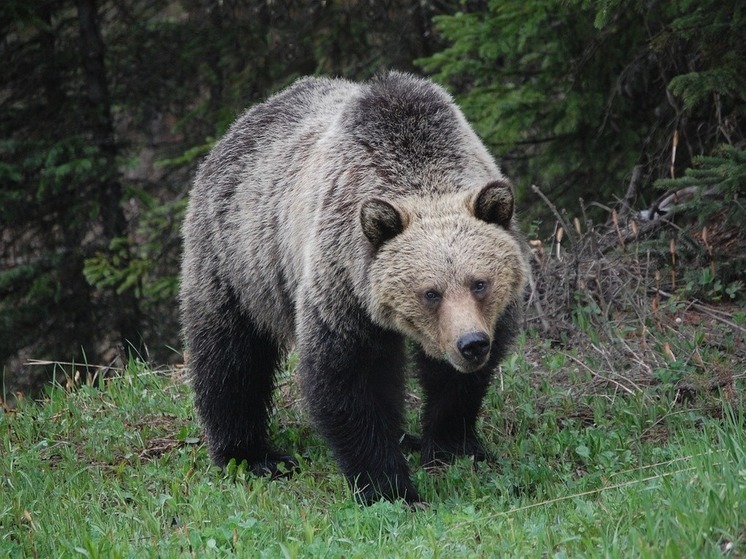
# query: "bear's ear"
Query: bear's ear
381,221
494,203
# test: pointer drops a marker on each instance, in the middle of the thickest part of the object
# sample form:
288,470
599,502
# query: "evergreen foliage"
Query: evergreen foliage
725,169
711,256
105,110
574,94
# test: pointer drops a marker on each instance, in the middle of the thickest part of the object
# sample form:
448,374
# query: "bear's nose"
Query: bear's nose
474,345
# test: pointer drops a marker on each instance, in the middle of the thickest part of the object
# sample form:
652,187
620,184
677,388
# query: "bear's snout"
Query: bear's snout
474,346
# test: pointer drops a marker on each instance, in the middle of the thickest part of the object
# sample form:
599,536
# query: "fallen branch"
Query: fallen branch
632,191
671,201
704,310
534,299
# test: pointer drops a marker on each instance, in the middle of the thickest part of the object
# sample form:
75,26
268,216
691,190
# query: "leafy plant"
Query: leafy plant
150,267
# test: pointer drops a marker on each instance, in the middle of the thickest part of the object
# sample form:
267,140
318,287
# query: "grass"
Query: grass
118,470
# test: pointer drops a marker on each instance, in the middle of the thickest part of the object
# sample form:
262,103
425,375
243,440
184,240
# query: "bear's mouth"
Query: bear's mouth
433,348
463,365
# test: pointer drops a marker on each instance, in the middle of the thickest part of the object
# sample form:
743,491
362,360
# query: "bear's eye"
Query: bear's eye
478,286
433,297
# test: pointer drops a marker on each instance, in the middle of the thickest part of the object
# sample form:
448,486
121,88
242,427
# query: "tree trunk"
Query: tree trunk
124,308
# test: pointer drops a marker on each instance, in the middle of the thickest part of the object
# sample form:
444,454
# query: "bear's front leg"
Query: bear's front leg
452,404
354,386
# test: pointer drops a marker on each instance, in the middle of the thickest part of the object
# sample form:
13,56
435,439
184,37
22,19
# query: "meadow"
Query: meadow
586,464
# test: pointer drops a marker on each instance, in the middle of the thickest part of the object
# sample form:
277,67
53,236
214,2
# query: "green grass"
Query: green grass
118,470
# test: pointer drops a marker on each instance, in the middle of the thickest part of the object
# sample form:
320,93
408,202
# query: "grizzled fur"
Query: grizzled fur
340,219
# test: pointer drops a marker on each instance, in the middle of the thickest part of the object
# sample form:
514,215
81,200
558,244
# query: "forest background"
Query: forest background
106,108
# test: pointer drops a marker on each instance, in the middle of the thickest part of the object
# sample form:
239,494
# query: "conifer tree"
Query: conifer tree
573,95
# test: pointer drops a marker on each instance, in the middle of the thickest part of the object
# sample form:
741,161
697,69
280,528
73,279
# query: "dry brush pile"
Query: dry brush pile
622,301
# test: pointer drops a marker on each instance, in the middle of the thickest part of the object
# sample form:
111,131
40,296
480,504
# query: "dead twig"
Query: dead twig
599,375
557,214
534,299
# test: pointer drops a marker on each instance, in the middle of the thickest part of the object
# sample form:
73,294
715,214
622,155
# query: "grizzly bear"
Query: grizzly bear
341,220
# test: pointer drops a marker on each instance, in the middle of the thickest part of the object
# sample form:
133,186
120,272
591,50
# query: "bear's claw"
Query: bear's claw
275,466
436,454
271,464
403,490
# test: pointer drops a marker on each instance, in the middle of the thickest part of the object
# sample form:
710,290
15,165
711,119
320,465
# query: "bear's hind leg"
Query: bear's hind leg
449,415
232,367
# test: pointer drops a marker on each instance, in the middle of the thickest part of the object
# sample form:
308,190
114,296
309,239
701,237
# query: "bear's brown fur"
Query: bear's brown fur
341,219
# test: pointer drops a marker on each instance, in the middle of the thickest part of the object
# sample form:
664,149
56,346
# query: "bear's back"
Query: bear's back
279,197
415,137
274,122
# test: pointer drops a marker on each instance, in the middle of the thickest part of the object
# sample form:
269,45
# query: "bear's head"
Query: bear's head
444,269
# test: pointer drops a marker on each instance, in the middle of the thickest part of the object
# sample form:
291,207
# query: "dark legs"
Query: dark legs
355,393
449,415
353,383
232,368
453,399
